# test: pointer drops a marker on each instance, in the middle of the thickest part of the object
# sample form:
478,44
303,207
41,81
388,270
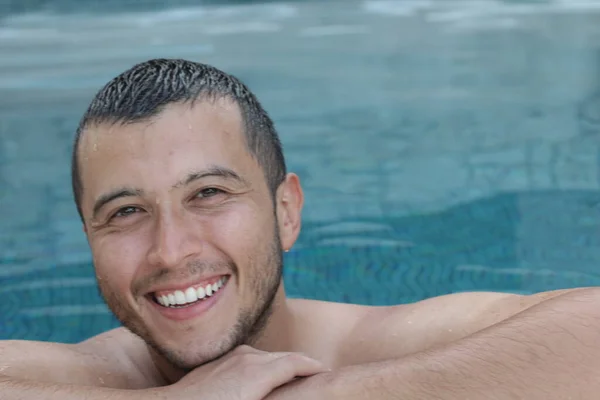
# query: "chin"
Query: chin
193,354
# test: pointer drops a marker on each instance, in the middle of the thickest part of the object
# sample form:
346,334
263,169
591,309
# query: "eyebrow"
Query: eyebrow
114,195
212,171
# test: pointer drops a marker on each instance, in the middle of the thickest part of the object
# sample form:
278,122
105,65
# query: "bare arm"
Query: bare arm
100,367
118,366
14,388
548,351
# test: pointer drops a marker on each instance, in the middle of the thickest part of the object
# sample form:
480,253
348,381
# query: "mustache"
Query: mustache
191,269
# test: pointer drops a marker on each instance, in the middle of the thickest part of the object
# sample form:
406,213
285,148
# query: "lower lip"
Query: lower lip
193,311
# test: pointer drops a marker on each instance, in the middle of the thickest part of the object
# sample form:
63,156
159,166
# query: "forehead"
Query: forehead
209,123
158,151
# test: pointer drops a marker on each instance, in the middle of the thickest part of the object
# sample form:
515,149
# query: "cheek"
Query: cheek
244,232
116,260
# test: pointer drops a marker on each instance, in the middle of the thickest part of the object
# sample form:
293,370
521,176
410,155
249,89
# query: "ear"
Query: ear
289,202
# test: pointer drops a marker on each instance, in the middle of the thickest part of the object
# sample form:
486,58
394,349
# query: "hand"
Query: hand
245,373
316,387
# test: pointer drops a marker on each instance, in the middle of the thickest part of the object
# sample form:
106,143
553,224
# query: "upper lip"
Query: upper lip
182,286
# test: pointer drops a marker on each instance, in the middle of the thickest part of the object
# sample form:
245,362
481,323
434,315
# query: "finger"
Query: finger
285,367
297,364
245,349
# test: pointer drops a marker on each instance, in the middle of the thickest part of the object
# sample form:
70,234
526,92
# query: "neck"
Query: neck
276,336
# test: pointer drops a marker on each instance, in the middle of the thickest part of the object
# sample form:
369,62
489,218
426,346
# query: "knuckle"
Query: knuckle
288,363
243,348
295,357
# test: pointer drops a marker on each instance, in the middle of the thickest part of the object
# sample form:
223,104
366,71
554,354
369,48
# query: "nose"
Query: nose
173,242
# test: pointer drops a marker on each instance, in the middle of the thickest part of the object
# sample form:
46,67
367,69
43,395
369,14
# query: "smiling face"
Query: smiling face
176,209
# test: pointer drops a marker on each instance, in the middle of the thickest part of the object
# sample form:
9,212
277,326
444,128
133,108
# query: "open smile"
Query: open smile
190,302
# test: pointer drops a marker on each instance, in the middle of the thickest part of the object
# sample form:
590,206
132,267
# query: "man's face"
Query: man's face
176,208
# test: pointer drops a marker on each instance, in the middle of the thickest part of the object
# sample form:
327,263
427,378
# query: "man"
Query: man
181,184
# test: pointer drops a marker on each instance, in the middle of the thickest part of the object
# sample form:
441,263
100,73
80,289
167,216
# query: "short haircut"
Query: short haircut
144,90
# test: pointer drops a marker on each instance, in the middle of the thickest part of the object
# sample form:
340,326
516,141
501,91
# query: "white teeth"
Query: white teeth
179,297
165,300
191,295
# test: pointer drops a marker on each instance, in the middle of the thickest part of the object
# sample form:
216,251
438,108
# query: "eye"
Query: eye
209,192
125,211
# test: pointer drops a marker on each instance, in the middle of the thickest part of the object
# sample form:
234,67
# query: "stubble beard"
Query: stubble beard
251,322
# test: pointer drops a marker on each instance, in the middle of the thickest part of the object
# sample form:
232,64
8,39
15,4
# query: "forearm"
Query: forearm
13,389
549,351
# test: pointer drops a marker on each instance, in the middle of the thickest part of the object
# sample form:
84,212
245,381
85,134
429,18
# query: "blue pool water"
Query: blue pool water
443,146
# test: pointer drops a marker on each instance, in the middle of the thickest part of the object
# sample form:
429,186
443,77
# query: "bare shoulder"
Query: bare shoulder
125,354
323,314
113,359
321,327
397,331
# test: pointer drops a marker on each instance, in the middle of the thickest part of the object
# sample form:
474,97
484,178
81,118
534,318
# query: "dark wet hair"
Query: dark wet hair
144,90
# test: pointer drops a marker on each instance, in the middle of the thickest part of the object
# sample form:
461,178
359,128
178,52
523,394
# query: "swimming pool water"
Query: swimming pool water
443,146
